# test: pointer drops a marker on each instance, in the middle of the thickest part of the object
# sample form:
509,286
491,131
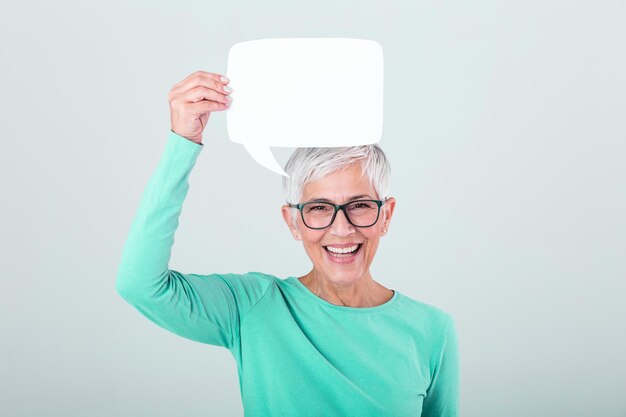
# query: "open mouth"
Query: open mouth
344,255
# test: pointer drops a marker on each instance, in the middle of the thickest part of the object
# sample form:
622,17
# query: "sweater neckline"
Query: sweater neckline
325,303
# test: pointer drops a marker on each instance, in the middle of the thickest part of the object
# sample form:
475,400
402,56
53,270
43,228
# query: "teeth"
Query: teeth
342,250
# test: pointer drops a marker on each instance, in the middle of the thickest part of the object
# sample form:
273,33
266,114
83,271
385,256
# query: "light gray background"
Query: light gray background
504,123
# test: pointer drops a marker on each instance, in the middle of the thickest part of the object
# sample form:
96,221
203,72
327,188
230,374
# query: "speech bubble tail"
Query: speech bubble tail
263,155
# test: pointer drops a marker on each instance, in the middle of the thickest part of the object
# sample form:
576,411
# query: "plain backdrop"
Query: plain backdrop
504,124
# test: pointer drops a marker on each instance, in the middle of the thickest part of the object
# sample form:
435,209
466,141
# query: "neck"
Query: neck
364,292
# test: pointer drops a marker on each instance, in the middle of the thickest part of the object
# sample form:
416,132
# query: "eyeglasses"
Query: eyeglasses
360,213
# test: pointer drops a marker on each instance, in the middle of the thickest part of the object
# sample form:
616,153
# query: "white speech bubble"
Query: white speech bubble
301,92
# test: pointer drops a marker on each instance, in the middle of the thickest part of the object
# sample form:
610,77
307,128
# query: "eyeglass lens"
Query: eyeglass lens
361,213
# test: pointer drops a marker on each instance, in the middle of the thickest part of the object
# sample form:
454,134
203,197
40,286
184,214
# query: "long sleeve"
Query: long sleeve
442,397
204,308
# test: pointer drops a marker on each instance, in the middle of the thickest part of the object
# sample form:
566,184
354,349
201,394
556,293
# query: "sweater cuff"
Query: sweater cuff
180,141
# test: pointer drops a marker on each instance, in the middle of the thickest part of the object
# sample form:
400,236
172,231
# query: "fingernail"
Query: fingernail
227,88
224,79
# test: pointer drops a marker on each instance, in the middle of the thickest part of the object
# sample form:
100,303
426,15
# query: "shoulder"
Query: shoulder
249,277
429,318
265,278
253,284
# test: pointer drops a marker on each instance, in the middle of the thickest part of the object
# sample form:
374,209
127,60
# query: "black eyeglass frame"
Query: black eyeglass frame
338,207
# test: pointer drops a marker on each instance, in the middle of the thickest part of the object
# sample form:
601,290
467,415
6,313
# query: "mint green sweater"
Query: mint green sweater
297,355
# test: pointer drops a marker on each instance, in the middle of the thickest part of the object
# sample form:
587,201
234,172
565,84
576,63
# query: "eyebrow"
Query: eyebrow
325,200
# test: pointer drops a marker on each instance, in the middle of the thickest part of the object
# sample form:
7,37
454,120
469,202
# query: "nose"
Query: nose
341,225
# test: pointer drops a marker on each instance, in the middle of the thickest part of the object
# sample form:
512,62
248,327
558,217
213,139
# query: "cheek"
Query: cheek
372,242
372,234
312,241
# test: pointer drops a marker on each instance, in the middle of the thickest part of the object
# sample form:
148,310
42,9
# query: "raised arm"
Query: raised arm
204,308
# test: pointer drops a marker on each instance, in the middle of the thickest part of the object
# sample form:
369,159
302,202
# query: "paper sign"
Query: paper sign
302,92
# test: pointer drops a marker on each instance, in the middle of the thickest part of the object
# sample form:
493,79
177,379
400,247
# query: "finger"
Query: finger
200,75
203,93
196,74
205,106
194,84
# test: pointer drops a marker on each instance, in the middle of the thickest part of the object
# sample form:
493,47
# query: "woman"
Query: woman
333,342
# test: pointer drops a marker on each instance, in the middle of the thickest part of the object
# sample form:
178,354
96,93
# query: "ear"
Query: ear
387,212
286,212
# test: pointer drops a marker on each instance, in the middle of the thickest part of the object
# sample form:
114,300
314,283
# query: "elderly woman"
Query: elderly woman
333,342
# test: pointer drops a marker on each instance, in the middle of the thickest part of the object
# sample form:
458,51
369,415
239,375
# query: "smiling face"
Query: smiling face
339,188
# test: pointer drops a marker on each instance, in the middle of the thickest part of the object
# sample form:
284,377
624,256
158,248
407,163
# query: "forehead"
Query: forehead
341,185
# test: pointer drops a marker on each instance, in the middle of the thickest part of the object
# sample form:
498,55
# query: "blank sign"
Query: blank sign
301,92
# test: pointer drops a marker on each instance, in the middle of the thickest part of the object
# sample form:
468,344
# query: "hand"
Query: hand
193,99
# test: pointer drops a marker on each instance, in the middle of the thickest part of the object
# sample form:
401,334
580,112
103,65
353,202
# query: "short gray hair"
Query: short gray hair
311,164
